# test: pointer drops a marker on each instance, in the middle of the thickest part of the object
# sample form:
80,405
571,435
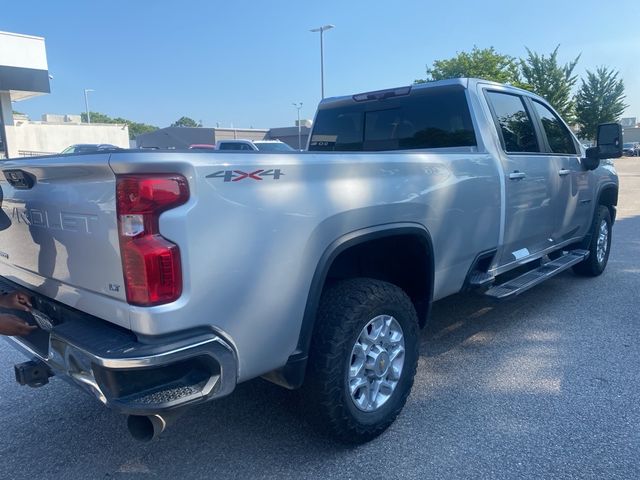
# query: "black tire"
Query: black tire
592,266
345,309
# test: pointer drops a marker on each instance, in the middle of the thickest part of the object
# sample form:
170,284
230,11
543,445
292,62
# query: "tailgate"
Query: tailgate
59,227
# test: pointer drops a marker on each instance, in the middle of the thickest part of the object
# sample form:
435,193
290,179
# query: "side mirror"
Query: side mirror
608,145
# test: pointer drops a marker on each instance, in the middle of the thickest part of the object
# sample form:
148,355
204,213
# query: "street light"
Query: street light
86,103
298,106
322,30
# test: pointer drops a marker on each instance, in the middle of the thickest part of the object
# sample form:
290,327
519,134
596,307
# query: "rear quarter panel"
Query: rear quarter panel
250,247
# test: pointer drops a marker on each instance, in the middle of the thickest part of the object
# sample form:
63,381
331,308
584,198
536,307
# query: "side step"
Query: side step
536,276
480,279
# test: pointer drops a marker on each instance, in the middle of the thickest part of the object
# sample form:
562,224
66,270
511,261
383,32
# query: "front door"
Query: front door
575,196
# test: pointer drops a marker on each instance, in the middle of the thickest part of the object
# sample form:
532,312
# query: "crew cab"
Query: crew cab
163,279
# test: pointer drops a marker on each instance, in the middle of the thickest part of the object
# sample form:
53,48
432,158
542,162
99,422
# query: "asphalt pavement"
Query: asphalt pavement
545,386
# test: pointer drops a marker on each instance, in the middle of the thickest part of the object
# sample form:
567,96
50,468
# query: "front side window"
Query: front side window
438,118
514,123
558,134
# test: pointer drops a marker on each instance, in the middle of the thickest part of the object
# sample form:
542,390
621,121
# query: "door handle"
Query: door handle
564,172
517,175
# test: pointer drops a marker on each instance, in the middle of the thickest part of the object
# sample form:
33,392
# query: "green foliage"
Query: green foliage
599,100
546,77
97,117
186,122
483,63
135,128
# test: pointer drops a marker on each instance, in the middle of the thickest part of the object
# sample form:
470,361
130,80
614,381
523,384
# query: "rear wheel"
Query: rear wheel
599,245
363,357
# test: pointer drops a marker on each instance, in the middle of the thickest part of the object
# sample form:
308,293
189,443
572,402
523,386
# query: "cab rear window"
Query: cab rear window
435,118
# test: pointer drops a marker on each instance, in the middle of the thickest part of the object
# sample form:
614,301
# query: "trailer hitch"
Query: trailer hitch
34,373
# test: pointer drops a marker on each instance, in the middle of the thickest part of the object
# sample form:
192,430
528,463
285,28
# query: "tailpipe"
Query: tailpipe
145,428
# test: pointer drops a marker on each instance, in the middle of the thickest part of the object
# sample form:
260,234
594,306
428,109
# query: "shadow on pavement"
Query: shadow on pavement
513,385
459,317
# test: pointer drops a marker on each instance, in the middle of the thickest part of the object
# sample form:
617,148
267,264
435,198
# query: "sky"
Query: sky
243,63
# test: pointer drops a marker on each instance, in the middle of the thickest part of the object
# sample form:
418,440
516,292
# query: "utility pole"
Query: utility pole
322,29
299,106
86,103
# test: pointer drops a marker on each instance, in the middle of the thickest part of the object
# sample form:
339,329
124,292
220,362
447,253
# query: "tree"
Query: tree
97,117
186,122
546,77
483,63
135,128
599,100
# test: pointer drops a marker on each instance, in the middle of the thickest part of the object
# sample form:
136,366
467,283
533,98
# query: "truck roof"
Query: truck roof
462,82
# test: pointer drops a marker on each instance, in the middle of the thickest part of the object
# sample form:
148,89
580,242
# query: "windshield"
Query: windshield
628,145
273,147
89,147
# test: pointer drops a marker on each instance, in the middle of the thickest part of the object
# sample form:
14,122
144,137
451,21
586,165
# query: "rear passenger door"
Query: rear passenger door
531,179
574,212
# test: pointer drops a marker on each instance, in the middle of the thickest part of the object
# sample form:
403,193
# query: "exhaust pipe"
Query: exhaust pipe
146,428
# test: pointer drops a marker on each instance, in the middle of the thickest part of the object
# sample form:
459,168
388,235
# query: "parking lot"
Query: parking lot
545,386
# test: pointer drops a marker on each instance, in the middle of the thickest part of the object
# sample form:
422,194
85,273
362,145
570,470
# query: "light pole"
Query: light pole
86,103
299,106
322,30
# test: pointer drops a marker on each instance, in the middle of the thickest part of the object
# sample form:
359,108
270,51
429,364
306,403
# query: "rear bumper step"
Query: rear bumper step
135,378
536,276
123,373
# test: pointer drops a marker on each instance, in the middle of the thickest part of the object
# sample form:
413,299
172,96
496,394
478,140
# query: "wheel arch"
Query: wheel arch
292,374
608,196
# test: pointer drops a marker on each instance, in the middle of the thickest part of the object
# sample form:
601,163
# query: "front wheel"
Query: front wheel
599,246
363,357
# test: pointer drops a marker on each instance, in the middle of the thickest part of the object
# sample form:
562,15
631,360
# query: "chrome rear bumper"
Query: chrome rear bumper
121,371
142,379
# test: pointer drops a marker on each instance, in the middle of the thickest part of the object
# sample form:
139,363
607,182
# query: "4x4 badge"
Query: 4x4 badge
237,175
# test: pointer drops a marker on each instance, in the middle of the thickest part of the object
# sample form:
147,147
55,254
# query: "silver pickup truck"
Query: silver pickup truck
163,279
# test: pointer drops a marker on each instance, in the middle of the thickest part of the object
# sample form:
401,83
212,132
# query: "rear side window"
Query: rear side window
558,135
434,119
234,146
514,123
228,146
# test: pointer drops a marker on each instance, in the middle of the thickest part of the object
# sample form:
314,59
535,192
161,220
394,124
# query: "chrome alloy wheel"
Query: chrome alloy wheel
603,241
377,359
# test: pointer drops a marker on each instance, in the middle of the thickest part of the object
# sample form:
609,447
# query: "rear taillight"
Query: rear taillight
150,263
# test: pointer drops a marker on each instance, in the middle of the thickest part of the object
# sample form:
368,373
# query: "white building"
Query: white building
24,74
54,133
